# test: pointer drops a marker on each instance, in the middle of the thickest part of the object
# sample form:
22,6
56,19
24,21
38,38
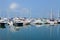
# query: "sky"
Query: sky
29,8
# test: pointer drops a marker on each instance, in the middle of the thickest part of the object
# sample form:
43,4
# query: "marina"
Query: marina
21,22
29,19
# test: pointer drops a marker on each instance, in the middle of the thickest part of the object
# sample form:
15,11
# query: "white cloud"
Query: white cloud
13,6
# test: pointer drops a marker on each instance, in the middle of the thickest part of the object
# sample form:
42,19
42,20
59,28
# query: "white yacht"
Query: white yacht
17,22
49,21
2,22
58,19
10,23
27,21
37,21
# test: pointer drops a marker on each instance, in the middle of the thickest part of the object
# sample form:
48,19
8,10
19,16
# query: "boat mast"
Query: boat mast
7,13
30,13
58,14
51,16
0,13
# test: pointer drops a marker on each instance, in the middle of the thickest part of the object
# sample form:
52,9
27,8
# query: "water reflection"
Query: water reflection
43,32
39,25
58,29
2,27
14,28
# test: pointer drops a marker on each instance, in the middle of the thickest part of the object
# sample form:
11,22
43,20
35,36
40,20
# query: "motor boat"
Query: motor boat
37,21
2,22
17,22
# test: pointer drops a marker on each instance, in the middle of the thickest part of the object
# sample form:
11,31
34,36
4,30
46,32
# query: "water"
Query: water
30,32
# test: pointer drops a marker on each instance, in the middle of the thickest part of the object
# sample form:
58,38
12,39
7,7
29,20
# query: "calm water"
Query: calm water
31,32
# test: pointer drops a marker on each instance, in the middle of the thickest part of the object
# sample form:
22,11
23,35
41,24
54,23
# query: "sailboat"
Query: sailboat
9,21
58,18
51,21
15,21
27,21
2,21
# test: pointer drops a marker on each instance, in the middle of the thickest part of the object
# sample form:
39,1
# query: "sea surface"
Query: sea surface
30,32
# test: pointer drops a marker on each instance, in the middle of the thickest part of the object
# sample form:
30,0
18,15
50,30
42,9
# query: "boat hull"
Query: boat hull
26,23
18,24
46,23
2,24
38,23
58,22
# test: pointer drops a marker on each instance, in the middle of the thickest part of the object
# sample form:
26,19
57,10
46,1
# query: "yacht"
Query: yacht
17,22
37,21
27,21
10,23
2,22
58,20
50,21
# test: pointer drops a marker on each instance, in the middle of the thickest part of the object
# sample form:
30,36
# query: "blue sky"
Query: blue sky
35,8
